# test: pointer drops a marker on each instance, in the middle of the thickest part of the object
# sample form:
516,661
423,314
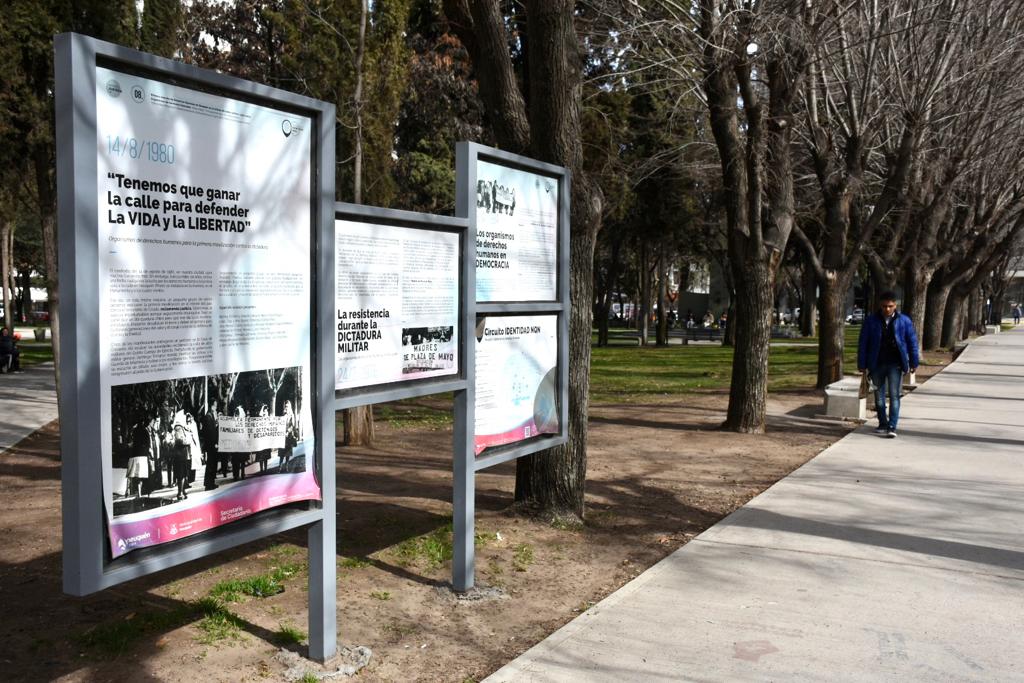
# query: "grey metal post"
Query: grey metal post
463,494
322,536
463,462
83,534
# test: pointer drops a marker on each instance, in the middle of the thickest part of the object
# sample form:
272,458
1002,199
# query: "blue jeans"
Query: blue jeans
887,379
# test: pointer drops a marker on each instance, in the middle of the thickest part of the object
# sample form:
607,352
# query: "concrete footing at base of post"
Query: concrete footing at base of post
347,663
992,329
842,400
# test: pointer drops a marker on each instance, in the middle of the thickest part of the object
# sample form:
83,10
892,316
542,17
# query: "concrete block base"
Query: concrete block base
842,400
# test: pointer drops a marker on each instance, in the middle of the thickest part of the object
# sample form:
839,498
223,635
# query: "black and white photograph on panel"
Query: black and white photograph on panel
185,438
427,348
495,197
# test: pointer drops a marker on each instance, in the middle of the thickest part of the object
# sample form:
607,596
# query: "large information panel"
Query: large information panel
516,234
519,216
516,379
397,303
204,218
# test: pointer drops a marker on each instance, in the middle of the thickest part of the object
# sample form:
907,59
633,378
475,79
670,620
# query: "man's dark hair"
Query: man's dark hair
887,295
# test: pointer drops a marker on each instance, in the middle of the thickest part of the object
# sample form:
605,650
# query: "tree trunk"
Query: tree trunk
554,480
915,296
46,195
809,303
645,295
967,326
662,332
952,318
748,392
358,429
938,294
357,104
830,330
25,300
684,285
6,263
729,338
604,310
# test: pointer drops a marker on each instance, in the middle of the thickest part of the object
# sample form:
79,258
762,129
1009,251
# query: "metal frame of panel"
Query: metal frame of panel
88,566
467,155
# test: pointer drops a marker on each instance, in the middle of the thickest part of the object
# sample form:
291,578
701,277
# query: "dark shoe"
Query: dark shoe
891,434
882,430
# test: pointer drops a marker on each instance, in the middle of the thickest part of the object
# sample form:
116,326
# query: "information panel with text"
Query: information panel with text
516,235
517,379
397,304
205,223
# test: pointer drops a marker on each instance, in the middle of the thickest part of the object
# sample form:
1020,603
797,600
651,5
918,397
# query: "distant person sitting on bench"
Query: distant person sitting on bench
8,352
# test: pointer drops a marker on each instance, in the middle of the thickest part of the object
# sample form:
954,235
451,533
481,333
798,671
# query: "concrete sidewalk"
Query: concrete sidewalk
878,560
28,401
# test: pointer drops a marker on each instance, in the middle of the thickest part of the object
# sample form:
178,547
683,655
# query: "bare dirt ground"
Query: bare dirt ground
659,474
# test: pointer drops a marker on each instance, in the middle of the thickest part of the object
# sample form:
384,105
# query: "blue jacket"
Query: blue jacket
871,342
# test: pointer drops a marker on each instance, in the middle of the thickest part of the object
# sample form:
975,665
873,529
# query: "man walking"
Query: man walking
887,350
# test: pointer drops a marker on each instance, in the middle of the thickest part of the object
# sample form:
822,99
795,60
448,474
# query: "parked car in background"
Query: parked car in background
856,317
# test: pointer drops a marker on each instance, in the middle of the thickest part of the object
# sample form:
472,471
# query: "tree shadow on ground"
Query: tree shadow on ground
967,552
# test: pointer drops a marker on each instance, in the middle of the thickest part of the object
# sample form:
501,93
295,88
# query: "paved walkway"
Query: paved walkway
28,401
877,560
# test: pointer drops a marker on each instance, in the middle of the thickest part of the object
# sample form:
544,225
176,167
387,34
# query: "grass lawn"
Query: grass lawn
627,373
33,352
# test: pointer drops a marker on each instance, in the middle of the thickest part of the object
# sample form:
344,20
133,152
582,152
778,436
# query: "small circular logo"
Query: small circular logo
121,545
286,127
138,94
113,88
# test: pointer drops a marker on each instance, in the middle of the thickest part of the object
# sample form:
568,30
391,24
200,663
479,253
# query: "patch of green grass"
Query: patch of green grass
111,639
34,353
482,538
218,624
380,595
309,677
522,557
289,635
430,550
632,372
284,551
414,415
628,374
260,586
354,562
